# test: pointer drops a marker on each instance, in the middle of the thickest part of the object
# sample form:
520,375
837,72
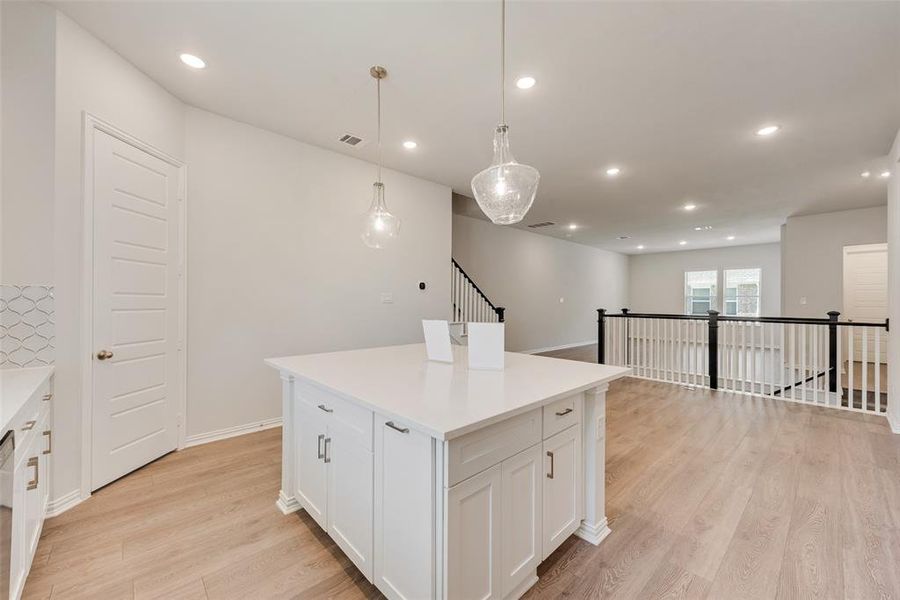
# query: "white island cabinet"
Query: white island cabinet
442,482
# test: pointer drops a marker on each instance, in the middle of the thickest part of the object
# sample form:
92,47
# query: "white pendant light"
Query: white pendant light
505,190
381,227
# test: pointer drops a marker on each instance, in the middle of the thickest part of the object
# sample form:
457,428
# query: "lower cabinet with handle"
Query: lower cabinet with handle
422,517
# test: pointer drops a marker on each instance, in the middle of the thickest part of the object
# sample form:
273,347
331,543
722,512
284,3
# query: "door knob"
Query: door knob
104,354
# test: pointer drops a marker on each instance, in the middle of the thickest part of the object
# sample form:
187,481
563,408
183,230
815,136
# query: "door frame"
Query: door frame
91,124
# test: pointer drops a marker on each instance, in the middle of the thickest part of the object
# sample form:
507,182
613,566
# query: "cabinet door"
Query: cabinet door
311,470
520,486
404,511
562,502
350,496
473,537
35,479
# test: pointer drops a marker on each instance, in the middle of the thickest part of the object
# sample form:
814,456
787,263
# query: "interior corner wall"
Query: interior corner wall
893,229
276,266
657,279
91,78
813,248
530,274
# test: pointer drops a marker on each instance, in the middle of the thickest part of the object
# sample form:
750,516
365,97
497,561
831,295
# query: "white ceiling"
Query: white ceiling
671,92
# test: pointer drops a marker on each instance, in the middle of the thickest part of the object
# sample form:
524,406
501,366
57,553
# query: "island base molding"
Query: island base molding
594,533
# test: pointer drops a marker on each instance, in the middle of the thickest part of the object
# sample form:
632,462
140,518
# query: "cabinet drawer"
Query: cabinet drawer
356,419
476,451
561,414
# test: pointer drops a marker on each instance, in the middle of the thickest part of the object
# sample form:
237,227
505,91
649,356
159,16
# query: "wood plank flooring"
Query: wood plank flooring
710,495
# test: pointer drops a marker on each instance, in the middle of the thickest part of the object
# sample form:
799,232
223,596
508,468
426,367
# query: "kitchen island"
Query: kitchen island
442,482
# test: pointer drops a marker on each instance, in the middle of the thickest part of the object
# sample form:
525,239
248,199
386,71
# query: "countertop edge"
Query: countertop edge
459,431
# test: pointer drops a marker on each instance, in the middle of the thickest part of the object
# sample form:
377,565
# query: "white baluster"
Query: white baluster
851,367
878,370
864,372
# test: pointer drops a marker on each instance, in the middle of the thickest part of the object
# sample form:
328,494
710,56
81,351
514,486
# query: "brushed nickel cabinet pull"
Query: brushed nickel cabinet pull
396,428
325,408
29,425
550,474
47,397
319,446
327,444
49,436
563,413
33,462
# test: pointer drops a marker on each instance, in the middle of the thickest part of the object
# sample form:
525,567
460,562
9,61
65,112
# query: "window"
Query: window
700,291
742,292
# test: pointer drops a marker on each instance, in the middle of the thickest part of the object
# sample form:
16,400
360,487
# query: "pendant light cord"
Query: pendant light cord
378,88
502,62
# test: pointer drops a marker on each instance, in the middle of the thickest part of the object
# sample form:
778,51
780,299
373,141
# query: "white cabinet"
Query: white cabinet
473,539
520,514
562,498
404,511
333,481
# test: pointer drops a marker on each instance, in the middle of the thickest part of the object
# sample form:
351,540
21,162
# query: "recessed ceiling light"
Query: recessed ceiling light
641,247
192,61
767,130
682,243
410,145
613,171
703,227
730,238
525,83
573,226
885,174
865,174
690,206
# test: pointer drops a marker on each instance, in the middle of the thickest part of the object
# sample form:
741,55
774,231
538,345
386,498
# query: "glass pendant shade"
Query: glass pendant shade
381,227
505,190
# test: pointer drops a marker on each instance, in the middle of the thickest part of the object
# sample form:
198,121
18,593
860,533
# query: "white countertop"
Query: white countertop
16,387
445,400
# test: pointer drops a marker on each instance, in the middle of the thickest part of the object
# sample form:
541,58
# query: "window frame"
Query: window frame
718,299
690,299
737,296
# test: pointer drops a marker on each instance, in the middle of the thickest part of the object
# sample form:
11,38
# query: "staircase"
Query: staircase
468,304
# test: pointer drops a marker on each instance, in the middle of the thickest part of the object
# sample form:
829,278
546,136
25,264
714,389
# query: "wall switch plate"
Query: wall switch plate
561,300
387,298
802,299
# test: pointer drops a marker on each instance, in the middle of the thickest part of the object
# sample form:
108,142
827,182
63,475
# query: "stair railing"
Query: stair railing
823,361
468,304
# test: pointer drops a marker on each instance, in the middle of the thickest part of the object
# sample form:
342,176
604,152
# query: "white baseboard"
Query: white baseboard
57,506
229,432
562,347
594,533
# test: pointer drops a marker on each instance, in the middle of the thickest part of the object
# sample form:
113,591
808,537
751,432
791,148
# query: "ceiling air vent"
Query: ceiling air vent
544,224
350,139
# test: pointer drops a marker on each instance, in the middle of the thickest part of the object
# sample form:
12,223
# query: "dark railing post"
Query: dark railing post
601,335
832,350
501,313
713,347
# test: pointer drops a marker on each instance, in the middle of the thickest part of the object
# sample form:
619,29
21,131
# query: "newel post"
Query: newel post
713,347
601,335
832,350
501,314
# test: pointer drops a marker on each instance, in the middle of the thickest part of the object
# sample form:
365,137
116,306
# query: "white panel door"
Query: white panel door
562,502
473,537
866,295
135,307
520,486
311,470
350,494
404,512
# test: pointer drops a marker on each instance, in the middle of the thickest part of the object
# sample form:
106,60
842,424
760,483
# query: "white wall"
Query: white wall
893,226
90,77
28,65
528,273
276,265
657,280
813,256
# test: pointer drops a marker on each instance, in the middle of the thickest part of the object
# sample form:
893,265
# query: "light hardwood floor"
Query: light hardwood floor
710,495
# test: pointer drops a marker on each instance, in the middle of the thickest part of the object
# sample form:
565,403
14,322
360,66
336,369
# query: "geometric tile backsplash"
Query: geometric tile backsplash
27,332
